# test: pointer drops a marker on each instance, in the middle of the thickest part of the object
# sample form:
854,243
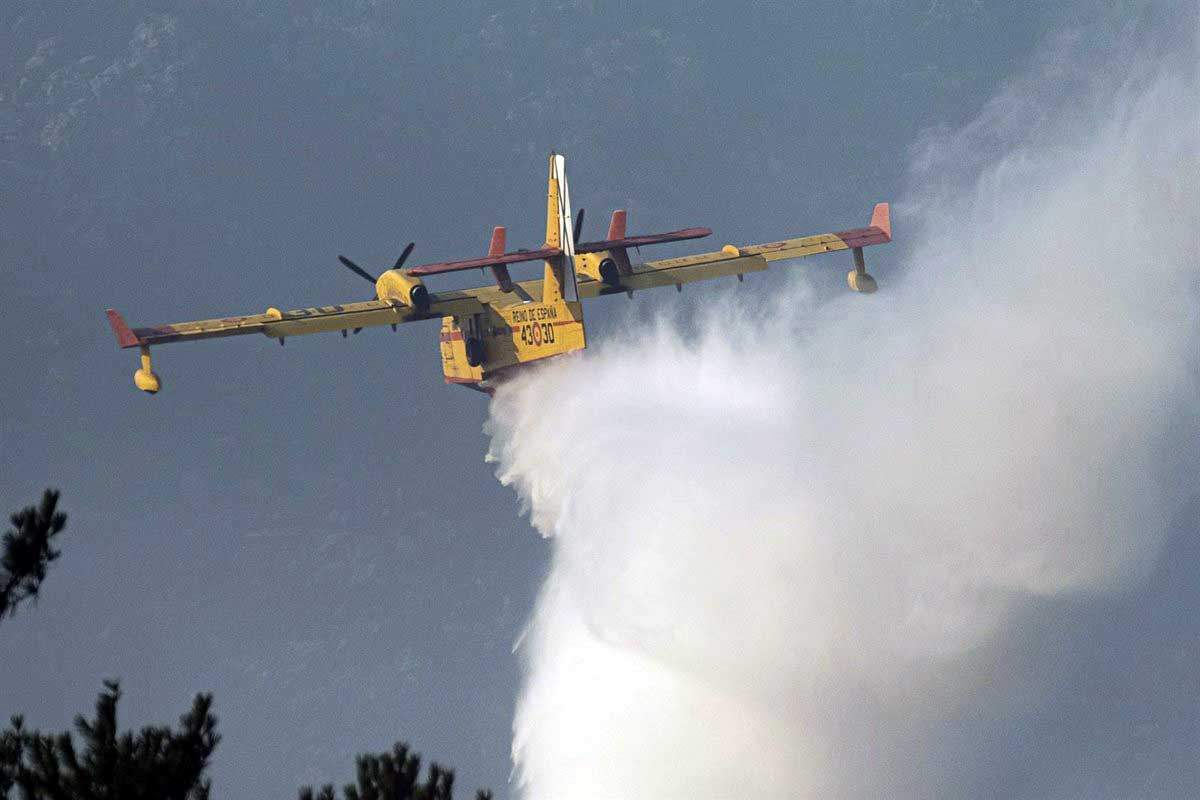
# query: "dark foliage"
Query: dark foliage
27,551
394,776
157,763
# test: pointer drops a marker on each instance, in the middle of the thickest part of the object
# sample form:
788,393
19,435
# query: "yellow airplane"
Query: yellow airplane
488,331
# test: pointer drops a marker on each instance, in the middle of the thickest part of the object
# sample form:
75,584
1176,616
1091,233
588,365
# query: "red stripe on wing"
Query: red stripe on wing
878,232
861,237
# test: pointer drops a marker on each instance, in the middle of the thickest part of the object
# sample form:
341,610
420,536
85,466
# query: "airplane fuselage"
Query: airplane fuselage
478,347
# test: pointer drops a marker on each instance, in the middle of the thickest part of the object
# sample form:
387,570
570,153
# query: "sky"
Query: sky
312,532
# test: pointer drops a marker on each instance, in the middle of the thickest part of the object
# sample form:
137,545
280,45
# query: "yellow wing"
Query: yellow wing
663,272
592,282
281,324
731,260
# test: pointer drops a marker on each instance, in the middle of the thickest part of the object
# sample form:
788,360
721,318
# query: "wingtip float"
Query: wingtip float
488,331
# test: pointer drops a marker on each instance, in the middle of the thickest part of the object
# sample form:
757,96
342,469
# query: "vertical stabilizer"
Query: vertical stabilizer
560,270
500,271
616,228
496,245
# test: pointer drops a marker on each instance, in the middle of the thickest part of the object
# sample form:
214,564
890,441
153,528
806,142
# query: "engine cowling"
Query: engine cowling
610,273
396,286
601,266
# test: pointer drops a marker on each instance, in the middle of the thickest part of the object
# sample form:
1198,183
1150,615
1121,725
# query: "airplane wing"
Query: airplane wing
676,272
879,231
732,260
663,272
281,324
728,261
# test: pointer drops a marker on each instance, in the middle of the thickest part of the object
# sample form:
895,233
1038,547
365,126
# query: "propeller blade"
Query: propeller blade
356,269
404,255
578,225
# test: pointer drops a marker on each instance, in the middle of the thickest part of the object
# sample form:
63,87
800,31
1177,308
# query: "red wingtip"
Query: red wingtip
496,248
881,218
616,228
125,337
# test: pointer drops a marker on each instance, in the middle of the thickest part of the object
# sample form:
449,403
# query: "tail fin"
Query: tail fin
560,270
881,218
125,336
500,271
496,247
616,228
559,232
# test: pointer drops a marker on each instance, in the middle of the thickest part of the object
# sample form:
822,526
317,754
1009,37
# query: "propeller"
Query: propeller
362,273
578,225
356,269
404,256
366,276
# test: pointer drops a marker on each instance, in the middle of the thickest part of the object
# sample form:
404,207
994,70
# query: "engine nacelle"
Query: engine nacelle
610,273
602,267
396,286
588,264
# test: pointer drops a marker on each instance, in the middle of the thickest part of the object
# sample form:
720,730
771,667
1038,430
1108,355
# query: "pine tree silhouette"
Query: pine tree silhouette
157,763
27,551
394,776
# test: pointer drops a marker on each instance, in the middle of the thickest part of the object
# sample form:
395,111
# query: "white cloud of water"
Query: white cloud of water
797,553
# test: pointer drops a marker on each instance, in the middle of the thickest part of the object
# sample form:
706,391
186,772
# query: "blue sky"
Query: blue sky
311,532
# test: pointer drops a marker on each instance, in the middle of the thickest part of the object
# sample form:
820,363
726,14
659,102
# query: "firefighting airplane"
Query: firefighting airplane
489,331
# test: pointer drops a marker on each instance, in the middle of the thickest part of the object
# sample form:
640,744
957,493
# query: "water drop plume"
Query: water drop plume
798,550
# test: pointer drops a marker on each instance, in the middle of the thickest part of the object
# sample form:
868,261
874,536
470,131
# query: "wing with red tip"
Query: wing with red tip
879,231
296,322
731,260
125,336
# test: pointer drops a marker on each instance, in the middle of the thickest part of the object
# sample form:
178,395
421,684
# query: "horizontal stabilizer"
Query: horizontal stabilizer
486,261
881,217
638,241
